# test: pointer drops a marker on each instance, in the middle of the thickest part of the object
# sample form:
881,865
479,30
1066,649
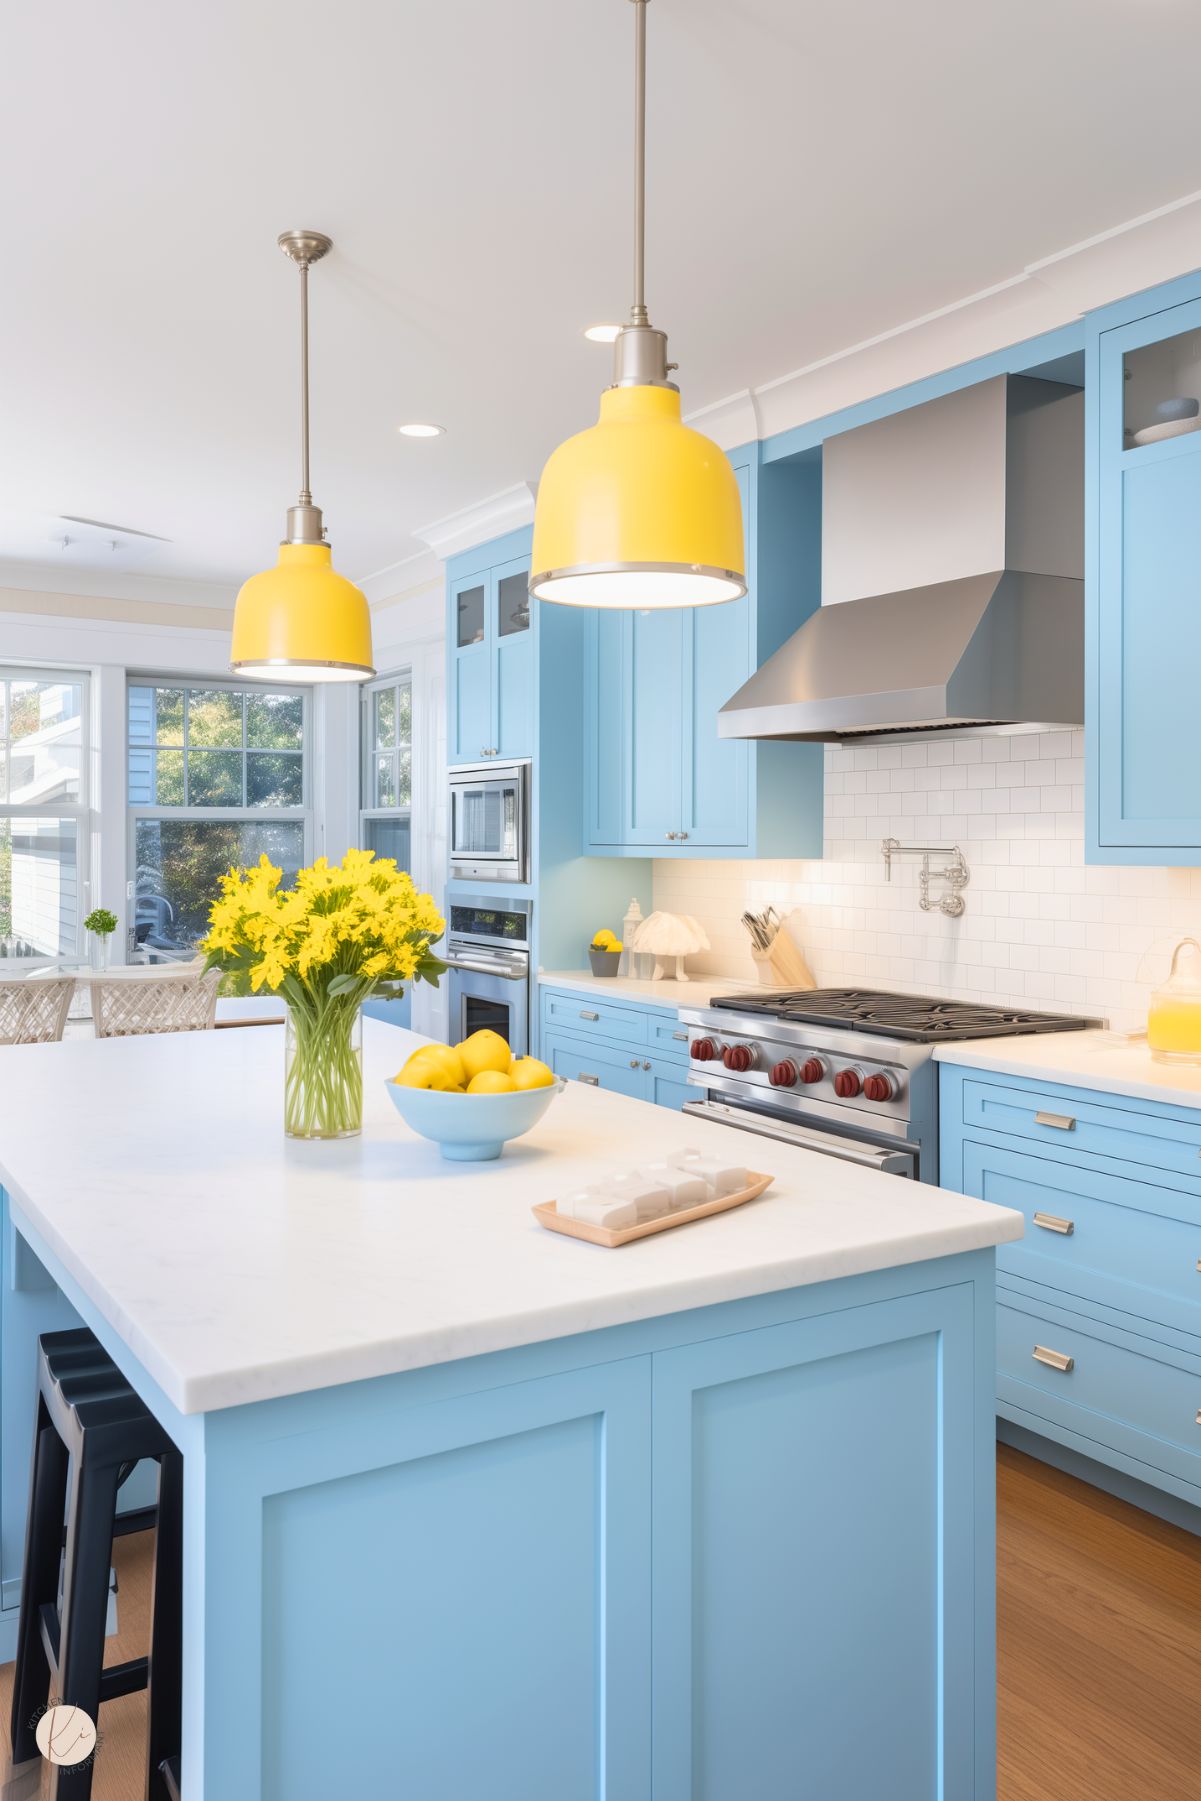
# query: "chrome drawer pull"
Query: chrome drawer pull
592,1081
586,1014
1056,1360
1051,1222
682,1038
1063,1122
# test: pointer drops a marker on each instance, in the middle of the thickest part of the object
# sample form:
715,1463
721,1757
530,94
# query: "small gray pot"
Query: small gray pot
604,963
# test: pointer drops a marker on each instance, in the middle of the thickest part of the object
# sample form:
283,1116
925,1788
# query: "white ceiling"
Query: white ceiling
818,174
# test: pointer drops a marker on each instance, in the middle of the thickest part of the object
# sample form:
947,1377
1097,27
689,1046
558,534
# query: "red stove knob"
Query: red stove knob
847,1083
812,1069
784,1074
738,1057
879,1088
703,1050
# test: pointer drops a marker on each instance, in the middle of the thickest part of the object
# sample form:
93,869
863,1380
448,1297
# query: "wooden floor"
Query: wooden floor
1099,1643
1099,1630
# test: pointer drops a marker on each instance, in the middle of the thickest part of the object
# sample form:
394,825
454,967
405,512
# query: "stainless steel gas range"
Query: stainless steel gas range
843,1071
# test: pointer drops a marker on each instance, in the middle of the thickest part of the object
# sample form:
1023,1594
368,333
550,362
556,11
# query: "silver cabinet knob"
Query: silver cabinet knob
671,834
681,835
646,1066
633,1063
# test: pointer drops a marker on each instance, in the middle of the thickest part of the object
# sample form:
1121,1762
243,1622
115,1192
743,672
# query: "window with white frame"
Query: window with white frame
217,775
43,814
387,733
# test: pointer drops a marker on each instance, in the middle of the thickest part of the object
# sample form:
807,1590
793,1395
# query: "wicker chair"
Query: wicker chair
34,1012
122,1008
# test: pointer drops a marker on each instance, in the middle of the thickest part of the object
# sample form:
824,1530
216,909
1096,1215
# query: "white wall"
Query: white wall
1041,928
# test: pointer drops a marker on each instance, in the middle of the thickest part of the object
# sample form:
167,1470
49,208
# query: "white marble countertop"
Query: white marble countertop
698,991
1113,1062
238,1265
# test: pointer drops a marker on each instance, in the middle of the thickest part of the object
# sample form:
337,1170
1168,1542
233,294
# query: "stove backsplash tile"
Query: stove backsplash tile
1041,929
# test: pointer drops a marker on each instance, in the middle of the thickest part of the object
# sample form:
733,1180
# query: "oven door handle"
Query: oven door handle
805,1138
506,971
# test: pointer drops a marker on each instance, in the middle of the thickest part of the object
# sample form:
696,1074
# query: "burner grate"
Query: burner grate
903,1016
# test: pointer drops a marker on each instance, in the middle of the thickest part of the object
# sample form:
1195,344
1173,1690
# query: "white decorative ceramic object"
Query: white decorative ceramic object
669,937
629,965
1171,428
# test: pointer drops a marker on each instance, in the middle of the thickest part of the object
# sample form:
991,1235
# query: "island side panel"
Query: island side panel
441,1600
823,1516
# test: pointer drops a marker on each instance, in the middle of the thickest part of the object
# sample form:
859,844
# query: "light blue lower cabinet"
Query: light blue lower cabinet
634,1050
1099,1305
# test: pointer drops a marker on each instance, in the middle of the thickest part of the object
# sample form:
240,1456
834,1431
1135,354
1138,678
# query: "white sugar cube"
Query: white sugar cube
722,1177
566,1205
651,1198
683,1189
607,1210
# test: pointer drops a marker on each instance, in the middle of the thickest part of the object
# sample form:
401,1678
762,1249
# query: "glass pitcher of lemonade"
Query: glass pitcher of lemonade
1174,1016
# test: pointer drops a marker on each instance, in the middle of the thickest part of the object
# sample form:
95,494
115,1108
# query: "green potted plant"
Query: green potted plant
100,924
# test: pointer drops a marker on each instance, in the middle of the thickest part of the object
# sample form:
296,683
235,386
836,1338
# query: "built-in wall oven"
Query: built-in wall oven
490,822
488,951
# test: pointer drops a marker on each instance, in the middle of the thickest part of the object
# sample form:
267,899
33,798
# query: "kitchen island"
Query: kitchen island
474,1510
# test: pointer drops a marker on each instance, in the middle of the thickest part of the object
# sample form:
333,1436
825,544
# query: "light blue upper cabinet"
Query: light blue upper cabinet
490,640
1144,591
657,775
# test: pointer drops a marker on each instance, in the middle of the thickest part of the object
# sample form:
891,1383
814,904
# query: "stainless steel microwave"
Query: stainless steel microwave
490,822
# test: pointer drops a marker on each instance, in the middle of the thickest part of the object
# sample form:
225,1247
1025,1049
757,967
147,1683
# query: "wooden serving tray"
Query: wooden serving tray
546,1213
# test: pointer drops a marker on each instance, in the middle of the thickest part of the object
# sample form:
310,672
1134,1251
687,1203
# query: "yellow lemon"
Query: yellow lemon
484,1050
434,1066
529,1072
603,939
491,1081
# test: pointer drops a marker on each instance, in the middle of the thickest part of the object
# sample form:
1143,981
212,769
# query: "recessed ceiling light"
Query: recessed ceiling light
603,334
419,429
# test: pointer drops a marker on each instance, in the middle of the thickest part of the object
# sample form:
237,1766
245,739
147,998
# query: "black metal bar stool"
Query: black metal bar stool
91,1429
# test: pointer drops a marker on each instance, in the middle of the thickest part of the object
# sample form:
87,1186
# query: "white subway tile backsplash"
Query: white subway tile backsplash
1041,928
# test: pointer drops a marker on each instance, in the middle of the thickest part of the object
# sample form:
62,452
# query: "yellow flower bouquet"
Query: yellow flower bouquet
344,932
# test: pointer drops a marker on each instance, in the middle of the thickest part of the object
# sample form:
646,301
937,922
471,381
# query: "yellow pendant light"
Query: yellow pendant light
302,620
638,511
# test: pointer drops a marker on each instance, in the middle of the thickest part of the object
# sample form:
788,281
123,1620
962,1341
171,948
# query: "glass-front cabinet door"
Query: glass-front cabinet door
1145,734
512,657
470,664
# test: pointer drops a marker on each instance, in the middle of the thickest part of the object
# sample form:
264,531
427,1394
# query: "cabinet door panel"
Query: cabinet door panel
596,1065
716,770
512,647
654,678
470,723
499,1565
669,1084
779,1566
605,755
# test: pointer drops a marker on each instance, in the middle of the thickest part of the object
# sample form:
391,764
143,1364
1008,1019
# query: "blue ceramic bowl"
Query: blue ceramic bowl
471,1128
1182,407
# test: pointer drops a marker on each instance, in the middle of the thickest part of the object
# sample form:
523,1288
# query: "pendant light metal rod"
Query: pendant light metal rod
306,498
638,312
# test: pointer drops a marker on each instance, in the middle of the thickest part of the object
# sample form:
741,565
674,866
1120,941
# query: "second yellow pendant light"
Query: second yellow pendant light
639,511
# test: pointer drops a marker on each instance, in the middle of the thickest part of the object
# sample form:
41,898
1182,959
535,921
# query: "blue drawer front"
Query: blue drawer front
666,1036
1122,1393
1131,1246
594,1018
1075,1123
596,1065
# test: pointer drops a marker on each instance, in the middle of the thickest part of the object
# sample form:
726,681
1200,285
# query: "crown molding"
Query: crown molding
729,422
489,518
158,590
409,575
1137,253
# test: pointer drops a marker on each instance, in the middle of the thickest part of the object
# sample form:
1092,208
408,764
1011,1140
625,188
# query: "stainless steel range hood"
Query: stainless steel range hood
952,565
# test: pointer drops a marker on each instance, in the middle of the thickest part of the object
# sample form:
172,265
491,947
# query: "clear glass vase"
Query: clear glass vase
323,1072
99,947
